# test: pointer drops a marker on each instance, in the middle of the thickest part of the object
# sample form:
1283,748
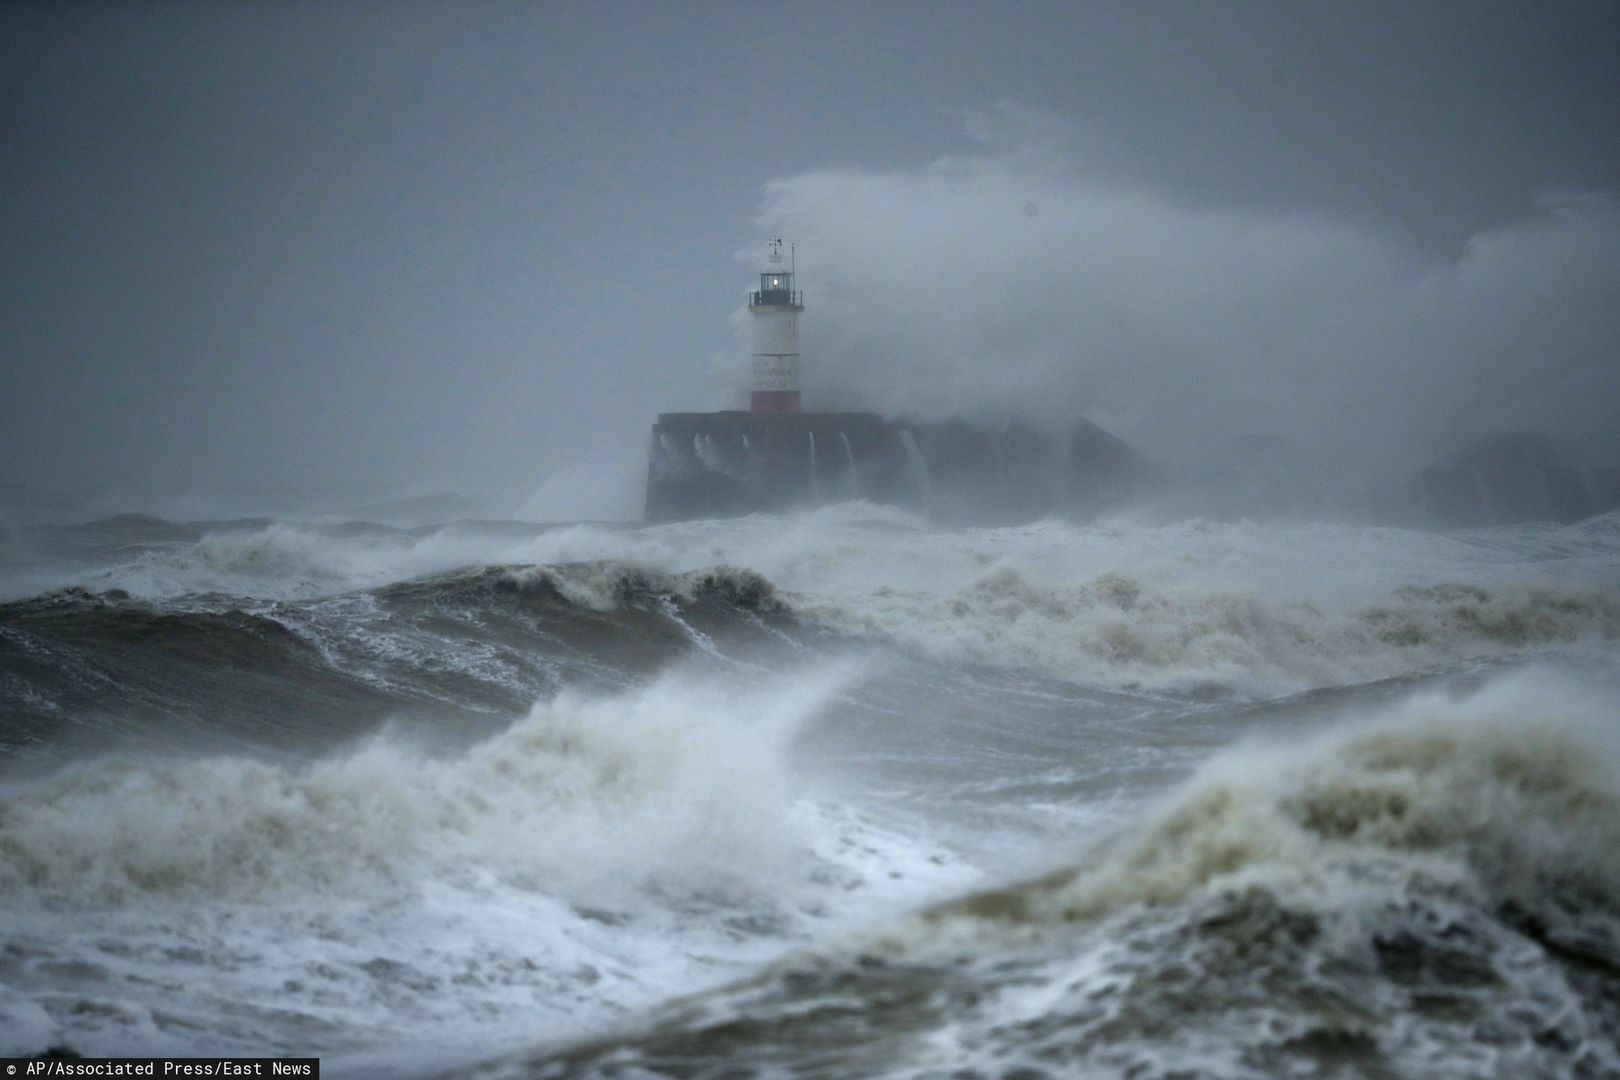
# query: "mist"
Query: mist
1153,609
321,259
1011,281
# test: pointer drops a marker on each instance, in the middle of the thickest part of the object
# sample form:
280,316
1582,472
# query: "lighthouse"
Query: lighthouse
774,456
775,307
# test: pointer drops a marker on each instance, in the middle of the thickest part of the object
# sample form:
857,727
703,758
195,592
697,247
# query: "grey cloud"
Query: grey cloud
379,248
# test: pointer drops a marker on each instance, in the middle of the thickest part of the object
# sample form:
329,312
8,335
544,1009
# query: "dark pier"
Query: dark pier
725,464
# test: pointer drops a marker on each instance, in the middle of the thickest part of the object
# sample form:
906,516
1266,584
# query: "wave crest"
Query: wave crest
681,778
1118,631
1434,893
612,585
1504,793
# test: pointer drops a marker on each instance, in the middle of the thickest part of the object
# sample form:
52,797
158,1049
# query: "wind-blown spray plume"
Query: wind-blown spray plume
1008,281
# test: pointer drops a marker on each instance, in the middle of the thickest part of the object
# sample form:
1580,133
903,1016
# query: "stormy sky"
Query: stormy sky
354,250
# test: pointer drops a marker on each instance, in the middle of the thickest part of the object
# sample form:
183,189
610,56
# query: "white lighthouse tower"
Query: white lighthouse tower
775,307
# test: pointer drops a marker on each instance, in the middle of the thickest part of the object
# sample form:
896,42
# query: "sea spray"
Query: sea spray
853,549
1433,890
605,851
1120,632
464,872
679,780
1512,790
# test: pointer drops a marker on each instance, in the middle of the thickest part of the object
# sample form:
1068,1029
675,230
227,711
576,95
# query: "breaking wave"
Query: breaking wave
1195,606
843,550
1116,631
1511,793
286,787
493,638
483,641
1434,892
601,586
681,777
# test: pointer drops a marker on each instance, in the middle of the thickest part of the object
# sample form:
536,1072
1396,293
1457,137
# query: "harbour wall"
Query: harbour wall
725,464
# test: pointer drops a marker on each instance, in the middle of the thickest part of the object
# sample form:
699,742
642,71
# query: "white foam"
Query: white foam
1506,792
1118,632
1255,608
601,854
1431,890
682,774
855,548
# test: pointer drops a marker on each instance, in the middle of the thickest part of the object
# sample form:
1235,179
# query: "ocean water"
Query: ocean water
831,794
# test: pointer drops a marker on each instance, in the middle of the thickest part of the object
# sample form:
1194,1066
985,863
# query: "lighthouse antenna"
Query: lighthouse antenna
776,250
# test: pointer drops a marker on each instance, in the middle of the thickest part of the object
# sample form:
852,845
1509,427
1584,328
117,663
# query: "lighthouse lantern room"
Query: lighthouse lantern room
775,307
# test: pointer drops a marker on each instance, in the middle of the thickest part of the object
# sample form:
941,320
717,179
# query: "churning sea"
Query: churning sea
838,793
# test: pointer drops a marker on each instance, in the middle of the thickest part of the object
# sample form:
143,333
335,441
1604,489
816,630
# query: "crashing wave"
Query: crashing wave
680,778
1117,631
1435,893
607,585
